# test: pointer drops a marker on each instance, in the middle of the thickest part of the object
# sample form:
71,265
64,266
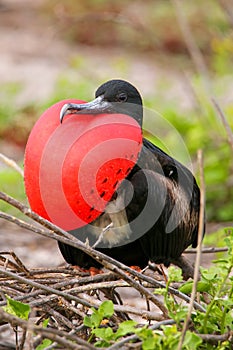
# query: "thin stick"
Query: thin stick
198,256
11,163
199,63
43,287
206,250
101,236
67,238
190,43
224,121
227,7
105,260
214,339
148,315
63,338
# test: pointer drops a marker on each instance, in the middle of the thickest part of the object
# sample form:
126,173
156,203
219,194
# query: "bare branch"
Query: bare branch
43,287
199,241
11,163
224,121
122,270
214,339
64,237
63,338
191,45
206,250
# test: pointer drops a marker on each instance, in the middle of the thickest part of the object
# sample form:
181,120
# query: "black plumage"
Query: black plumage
163,213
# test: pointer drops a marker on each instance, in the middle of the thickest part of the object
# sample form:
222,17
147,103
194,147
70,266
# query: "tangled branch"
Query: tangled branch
65,295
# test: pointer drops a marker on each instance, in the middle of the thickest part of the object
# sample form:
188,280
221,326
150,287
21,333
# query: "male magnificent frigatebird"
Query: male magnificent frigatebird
154,213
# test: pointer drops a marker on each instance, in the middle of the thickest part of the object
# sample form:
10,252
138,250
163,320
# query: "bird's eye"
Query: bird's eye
122,97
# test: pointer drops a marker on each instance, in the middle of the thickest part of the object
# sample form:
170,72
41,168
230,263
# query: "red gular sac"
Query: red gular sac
73,169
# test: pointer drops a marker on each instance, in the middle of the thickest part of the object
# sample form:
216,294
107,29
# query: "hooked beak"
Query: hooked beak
96,106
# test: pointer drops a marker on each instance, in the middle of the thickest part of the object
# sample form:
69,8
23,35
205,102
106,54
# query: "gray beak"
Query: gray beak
96,106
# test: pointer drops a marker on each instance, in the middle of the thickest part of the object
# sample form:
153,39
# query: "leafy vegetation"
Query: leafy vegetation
217,299
214,317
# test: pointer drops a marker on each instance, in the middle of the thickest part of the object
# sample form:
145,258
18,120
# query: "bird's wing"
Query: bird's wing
165,207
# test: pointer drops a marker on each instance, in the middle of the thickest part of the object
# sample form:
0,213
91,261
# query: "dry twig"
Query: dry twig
224,121
11,163
198,256
63,338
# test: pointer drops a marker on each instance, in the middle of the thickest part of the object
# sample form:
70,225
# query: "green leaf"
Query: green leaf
149,344
45,323
202,286
102,344
149,338
45,343
87,321
103,333
17,308
174,274
94,320
191,341
160,291
144,332
106,309
208,274
124,328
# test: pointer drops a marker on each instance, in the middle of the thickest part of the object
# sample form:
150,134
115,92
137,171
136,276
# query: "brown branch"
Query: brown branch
43,287
206,250
65,237
190,43
70,295
199,63
20,265
11,163
224,121
60,319
63,284
108,262
214,339
198,256
227,7
63,338
148,315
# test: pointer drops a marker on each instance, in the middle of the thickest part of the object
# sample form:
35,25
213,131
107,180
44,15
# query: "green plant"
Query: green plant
94,321
46,342
220,306
17,308
216,298
11,182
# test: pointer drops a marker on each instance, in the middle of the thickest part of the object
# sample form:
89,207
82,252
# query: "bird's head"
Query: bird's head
114,96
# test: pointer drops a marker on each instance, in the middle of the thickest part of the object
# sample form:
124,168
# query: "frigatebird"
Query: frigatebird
154,213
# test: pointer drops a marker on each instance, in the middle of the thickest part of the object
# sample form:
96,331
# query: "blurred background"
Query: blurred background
178,53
